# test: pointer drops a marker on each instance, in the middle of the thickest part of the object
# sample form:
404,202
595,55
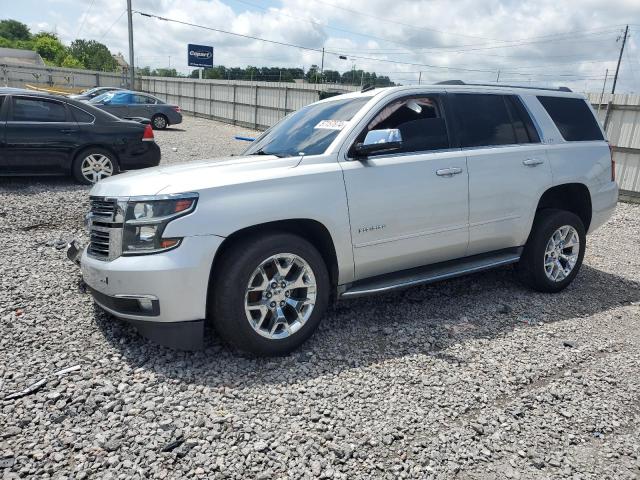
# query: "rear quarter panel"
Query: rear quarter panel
584,162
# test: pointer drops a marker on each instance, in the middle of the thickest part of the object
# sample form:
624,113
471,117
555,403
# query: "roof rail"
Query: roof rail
460,82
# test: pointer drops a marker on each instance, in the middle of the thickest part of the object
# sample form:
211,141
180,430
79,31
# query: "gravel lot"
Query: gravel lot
474,378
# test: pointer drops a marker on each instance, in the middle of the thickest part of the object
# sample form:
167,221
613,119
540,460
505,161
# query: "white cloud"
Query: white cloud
461,33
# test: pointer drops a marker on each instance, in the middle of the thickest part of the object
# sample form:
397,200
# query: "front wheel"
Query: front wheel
269,294
553,254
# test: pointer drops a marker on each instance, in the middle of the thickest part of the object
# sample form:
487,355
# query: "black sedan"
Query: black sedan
43,134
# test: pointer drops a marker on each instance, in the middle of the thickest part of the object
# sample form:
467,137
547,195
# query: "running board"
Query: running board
431,273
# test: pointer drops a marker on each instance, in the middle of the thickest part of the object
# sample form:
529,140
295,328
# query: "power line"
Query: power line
359,57
84,17
111,26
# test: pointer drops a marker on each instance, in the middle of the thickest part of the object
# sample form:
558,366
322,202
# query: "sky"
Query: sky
544,42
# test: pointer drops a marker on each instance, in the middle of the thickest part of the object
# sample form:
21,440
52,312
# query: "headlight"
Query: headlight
146,219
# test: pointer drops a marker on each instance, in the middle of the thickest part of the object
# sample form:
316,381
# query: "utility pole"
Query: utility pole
498,77
419,78
624,41
132,68
322,66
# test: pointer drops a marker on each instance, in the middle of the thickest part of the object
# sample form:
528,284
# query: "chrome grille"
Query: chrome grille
98,243
103,209
105,229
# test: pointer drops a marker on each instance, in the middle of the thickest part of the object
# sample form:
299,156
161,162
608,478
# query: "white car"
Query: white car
353,195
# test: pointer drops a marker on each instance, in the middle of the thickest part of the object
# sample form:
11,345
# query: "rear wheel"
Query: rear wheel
94,164
269,294
554,252
159,122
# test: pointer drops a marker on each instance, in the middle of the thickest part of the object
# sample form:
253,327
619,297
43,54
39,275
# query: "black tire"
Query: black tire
76,168
531,267
231,278
159,122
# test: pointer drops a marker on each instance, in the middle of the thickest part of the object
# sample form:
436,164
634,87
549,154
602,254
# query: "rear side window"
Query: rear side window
37,110
484,120
80,115
573,117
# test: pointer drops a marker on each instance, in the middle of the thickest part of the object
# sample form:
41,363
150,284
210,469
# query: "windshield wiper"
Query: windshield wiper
262,152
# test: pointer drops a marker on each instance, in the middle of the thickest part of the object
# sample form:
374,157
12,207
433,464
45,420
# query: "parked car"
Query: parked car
87,95
43,134
358,194
126,103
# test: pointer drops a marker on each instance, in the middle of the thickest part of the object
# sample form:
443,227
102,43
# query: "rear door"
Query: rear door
508,168
40,136
142,106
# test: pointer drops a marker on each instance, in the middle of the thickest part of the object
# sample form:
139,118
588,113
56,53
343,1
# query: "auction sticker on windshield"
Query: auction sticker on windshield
331,124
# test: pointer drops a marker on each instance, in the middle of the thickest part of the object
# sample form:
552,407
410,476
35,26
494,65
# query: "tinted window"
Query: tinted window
525,131
121,99
310,130
80,115
484,120
420,121
143,99
37,110
573,117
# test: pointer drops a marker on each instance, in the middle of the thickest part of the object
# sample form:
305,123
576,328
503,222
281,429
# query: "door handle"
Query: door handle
67,131
448,172
532,162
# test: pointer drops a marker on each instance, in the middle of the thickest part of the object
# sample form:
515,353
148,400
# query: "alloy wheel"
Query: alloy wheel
160,122
280,296
561,253
96,166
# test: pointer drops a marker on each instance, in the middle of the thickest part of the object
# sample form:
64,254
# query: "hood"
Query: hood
194,176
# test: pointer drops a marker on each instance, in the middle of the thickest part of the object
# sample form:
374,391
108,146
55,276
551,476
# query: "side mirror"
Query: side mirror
378,141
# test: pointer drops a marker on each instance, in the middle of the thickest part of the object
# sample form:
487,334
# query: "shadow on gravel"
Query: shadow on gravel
363,332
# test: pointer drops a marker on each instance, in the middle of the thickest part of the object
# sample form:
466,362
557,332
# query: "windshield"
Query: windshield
91,90
102,98
309,131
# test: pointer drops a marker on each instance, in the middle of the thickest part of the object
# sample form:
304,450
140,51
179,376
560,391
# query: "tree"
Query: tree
49,47
93,55
71,62
14,30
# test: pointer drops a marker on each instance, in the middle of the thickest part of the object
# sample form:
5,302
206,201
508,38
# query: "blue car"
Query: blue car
129,104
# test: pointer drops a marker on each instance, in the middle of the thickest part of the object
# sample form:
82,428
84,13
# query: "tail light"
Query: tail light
613,164
147,136
177,109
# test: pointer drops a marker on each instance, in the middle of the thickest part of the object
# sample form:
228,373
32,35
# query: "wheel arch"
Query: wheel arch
573,197
84,148
311,230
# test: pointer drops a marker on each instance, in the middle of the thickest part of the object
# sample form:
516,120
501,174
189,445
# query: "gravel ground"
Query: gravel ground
474,378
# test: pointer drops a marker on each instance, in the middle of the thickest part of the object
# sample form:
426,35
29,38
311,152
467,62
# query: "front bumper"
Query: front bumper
160,290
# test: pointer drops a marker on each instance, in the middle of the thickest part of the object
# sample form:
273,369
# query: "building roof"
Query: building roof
22,57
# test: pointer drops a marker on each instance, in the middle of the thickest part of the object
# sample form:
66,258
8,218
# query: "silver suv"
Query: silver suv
354,195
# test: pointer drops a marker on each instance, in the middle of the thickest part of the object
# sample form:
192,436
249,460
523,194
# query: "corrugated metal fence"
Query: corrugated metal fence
261,104
620,115
20,75
252,104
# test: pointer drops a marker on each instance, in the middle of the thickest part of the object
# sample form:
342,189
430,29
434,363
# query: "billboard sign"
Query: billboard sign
199,56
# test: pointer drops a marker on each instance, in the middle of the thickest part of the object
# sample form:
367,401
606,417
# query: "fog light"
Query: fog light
146,304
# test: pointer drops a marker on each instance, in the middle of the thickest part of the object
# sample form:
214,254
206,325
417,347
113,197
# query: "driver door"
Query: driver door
409,207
